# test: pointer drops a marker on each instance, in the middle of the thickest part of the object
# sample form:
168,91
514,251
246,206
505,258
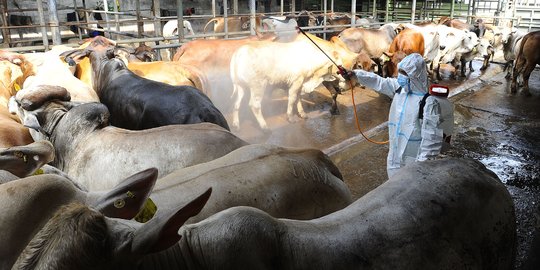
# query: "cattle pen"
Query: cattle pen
285,111
36,26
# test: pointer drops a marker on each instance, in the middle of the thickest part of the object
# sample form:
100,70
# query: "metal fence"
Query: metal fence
137,26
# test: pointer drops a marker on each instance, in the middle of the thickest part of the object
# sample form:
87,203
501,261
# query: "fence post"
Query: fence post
252,12
413,11
43,28
53,23
180,18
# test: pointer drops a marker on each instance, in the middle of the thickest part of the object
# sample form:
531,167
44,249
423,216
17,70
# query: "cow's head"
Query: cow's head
390,61
485,49
81,237
30,102
506,34
25,160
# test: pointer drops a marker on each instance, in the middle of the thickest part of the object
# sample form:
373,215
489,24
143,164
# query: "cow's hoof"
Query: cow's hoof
483,68
335,112
507,76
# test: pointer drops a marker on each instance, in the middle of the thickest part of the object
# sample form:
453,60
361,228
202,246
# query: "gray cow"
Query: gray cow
284,182
441,214
28,203
21,161
97,155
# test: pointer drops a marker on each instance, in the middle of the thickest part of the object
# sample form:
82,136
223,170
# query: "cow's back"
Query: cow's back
136,103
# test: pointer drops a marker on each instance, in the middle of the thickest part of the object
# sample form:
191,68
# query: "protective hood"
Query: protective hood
415,66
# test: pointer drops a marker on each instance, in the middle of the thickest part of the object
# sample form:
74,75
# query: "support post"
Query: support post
157,22
180,18
387,9
452,8
293,6
325,18
6,34
413,11
252,12
140,24
117,18
42,23
53,23
225,19
213,8
235,7
374,12
332,6
77,19
353,13
281,8
106,9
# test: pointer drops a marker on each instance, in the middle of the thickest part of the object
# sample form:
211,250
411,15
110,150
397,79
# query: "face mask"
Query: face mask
402,80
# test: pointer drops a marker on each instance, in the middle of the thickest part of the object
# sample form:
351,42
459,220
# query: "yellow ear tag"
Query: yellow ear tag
148,211
38,172
17,86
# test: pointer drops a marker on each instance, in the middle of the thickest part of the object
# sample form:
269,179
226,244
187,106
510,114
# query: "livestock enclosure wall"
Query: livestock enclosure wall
29,25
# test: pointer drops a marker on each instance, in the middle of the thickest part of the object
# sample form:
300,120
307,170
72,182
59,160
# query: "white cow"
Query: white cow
484,50
453,41
170,29
297,66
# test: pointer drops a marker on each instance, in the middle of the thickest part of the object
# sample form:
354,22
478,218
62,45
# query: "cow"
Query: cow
86,146
453,41
54,71
374,42
478,27
283,182
137,103
526,60
300,67
511,40
12,132
235,24
336,23
484,50
30,202
407,41
22,161
170,29
431,40
173,73
213,58
63,233
440,214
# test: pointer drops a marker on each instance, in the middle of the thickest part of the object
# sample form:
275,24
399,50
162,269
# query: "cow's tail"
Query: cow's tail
520,58
214,20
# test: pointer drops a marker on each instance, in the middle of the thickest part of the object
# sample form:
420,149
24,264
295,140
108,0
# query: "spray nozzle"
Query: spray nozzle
344,73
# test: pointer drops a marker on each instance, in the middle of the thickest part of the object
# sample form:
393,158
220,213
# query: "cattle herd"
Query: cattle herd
92,138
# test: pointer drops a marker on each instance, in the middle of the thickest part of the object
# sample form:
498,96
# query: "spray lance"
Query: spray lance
347,76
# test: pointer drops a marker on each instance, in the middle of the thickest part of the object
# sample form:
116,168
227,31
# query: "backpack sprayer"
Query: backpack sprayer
345,74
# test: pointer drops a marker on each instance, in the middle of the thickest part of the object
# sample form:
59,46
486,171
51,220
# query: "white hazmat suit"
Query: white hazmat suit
410,138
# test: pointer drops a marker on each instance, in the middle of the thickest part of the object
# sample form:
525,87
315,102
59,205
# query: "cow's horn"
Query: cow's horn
32,98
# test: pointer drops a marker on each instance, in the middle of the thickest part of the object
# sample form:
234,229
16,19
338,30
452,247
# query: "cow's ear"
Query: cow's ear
30,121
387,56
161,232
127,198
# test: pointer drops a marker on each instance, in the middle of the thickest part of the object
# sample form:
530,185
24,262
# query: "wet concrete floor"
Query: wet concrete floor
492,125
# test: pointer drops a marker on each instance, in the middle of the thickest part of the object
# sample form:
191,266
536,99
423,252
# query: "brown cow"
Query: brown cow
406,42
478,27
527,59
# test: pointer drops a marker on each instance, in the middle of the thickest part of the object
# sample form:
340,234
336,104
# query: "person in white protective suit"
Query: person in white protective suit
411,138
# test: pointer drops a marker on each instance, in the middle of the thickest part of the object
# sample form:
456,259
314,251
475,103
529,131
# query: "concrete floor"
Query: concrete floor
498,128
